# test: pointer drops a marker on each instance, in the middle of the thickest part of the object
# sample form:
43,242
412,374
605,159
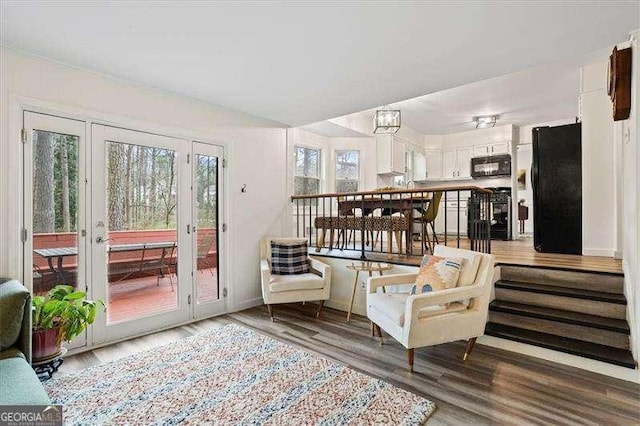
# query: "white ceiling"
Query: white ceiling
537,95
303,62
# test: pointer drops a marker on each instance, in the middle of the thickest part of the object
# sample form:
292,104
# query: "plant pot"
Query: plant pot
45,343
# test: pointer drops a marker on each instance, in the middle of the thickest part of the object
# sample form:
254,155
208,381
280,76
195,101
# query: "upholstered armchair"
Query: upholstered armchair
312,286
437,317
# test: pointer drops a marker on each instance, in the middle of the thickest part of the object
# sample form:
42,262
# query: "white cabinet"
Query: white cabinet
492,149
451,212
457,163
464,163
433,159
481,151
419,166
500,148
450,164
390,155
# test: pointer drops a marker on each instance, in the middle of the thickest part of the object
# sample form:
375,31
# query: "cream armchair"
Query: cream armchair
293,288
437,317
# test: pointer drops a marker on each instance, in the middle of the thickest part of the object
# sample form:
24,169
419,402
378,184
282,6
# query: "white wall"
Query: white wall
598,168
628,139
524,158
255,148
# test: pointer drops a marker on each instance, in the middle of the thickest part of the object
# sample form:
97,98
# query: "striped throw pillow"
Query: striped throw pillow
289,259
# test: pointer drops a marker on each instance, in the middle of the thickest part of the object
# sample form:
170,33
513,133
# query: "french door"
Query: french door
207,194
131,217
139,216
54,223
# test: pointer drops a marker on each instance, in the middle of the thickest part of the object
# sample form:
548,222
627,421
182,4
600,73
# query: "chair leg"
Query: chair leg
379,331
470,344
320,305
435,235
372,329
270,308
410,359
319,239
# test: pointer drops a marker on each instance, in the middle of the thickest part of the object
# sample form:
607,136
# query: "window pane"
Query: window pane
346,186
348,165
307,162
306,186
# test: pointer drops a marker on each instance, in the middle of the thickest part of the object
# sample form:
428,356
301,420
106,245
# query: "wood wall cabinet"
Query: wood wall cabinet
390,155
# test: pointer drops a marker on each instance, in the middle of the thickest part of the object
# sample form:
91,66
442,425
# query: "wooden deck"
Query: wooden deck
516,252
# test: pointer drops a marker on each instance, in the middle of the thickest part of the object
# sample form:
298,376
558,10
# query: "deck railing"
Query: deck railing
405,222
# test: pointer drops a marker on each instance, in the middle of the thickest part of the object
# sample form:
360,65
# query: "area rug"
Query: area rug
231,375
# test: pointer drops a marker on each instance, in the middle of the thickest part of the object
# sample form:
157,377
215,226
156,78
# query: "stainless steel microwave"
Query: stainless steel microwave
492,165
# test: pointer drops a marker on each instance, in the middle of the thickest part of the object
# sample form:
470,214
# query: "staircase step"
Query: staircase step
602,353
560,315
599,296
562,329
595,281
594,307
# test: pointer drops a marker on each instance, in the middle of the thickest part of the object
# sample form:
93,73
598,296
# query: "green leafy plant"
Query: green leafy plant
64,308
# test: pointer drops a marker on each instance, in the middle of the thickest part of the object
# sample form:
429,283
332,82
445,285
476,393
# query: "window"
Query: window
347,171
307,171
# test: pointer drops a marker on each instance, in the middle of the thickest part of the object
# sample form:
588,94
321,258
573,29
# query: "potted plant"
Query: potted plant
59,316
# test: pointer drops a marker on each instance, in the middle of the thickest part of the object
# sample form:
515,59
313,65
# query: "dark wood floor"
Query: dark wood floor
494,386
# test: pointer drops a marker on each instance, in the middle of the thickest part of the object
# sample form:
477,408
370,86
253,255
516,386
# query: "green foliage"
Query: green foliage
66,308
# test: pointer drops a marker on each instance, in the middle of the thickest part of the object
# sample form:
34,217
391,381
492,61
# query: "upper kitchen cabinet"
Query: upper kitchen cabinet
419,170
390,155
492,149
433,163
457,163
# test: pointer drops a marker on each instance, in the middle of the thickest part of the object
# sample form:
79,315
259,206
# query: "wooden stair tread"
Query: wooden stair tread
595,351
562,291
586,268
560,315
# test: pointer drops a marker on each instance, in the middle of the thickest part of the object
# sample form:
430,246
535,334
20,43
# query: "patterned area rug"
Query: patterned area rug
231,375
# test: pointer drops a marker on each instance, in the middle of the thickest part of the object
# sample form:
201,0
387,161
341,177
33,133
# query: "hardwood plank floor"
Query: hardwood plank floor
515,252
494,386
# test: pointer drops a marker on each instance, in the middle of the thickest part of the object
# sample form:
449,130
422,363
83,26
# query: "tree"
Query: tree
43,188
116,196
64,171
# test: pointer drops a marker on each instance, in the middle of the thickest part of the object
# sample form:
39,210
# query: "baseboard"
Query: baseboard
247,304
563,358
343,305
598,252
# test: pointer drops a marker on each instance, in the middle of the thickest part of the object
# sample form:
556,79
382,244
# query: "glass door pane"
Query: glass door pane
207,196
55,210
141,190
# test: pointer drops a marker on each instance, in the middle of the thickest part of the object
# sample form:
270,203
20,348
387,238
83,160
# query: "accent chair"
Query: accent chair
436,317
312,286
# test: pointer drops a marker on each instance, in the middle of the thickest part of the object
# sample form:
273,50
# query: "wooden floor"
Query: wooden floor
515,252
494,386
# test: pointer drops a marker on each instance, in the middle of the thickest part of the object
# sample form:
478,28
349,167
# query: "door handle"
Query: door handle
101,240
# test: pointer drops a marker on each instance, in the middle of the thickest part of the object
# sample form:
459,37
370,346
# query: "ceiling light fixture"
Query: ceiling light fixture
386,121
485,121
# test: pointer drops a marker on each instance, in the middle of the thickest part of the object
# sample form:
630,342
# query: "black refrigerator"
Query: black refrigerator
556,175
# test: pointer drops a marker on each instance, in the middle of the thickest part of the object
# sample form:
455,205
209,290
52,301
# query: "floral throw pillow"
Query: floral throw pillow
437,273
289,259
